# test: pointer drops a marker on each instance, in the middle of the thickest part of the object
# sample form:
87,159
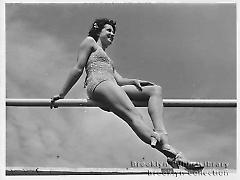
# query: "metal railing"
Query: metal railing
90,103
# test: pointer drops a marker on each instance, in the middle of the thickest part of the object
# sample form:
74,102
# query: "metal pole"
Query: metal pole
53,171
90,103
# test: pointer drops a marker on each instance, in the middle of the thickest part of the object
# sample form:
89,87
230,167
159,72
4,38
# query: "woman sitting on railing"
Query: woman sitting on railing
106,86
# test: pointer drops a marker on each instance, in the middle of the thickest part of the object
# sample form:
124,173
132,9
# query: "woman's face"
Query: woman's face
107,35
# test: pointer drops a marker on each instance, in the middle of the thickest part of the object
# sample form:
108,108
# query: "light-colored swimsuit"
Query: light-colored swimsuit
99,68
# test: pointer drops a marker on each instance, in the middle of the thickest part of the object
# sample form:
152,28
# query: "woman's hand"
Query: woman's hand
53,99
140,83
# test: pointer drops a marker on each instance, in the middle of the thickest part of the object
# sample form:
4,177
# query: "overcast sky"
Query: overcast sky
188,49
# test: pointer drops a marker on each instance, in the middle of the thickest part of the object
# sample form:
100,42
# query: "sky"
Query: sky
188,49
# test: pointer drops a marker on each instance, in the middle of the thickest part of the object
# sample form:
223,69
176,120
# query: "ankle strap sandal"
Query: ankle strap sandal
157,137
180,160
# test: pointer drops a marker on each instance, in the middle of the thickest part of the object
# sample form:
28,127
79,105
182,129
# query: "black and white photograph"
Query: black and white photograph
144,89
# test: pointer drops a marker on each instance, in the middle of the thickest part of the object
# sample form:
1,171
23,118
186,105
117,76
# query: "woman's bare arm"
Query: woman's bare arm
84,52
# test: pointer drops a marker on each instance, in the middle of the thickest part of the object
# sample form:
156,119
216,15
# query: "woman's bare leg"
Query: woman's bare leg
119,103
110,94
152,94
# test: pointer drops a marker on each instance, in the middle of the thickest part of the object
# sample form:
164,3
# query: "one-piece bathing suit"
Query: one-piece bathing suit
99,68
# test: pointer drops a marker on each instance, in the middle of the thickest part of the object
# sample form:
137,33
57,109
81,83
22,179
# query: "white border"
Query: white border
3,91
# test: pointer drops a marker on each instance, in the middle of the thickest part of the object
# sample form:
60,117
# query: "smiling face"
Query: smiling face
107,35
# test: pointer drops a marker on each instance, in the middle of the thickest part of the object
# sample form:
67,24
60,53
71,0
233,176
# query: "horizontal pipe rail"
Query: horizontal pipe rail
13,171
88,171
90,103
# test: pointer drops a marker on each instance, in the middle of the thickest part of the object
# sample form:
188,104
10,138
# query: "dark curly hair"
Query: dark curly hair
98,25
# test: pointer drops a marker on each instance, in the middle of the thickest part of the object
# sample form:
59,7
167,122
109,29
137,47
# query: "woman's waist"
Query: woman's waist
99,69
98,76
98,66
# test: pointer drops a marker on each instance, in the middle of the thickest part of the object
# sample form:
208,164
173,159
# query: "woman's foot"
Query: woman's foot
180,160
174,159
159,140
159,137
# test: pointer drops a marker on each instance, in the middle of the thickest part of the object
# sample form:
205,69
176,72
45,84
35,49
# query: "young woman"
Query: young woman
106,86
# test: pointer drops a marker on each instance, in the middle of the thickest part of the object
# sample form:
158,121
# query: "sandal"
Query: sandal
158,136
180,160
174,159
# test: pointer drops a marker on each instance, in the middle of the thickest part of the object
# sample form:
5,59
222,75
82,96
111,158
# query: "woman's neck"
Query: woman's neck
99,43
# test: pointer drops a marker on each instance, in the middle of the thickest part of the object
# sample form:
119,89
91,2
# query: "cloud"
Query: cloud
39,56
203,134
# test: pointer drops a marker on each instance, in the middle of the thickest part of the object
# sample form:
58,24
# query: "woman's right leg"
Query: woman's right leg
113,96
110,94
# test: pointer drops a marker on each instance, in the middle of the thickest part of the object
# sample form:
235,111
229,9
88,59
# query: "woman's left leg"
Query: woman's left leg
152,94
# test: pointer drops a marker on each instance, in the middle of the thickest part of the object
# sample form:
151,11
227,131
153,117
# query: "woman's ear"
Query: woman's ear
98,33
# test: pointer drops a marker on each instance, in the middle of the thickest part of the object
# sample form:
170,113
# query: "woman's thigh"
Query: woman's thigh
137,95
114,97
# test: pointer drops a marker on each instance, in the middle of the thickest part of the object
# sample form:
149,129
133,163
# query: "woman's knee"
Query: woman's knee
156,90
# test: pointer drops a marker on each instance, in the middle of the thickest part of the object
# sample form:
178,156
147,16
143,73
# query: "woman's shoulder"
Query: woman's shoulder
90,39
89,42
